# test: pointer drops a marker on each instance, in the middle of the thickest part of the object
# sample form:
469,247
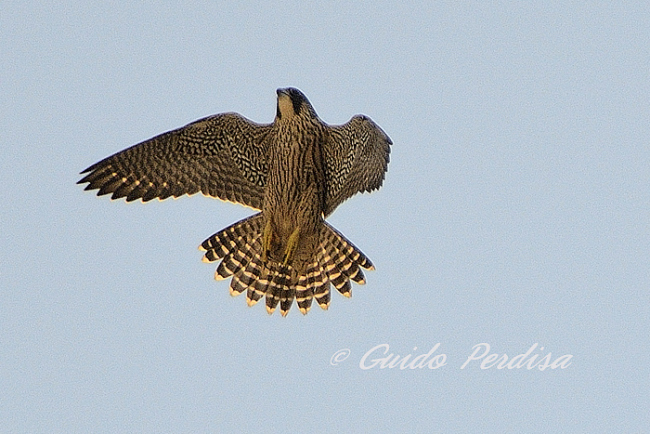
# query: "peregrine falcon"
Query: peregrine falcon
295,171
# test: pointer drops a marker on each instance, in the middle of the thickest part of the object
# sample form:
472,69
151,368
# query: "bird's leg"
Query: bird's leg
266,241
292,243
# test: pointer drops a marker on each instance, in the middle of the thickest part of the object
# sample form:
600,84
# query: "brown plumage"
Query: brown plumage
296,171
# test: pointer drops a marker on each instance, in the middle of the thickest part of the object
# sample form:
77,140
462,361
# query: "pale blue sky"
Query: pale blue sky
515,211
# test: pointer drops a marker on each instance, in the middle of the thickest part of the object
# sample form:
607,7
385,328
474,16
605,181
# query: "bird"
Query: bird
294,171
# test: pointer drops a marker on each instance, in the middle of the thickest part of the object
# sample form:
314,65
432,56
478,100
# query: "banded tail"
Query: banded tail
239,247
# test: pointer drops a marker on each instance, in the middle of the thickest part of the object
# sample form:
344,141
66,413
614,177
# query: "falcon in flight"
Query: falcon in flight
295,172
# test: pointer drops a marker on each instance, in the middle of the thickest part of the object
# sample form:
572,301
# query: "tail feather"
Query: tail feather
304,298
250,274
259,288
322,295
237,286
345,289
234,237
336,262
237,260
305,288
358,277
272,300
286,300
231,264
275,292
345,247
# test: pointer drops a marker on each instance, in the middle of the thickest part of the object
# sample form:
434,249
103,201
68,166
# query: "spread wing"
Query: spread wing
356,160
223,156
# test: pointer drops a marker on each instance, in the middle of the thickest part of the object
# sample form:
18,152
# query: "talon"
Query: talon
291,247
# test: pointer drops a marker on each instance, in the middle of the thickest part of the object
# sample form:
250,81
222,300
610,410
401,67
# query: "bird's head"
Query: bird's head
292,102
